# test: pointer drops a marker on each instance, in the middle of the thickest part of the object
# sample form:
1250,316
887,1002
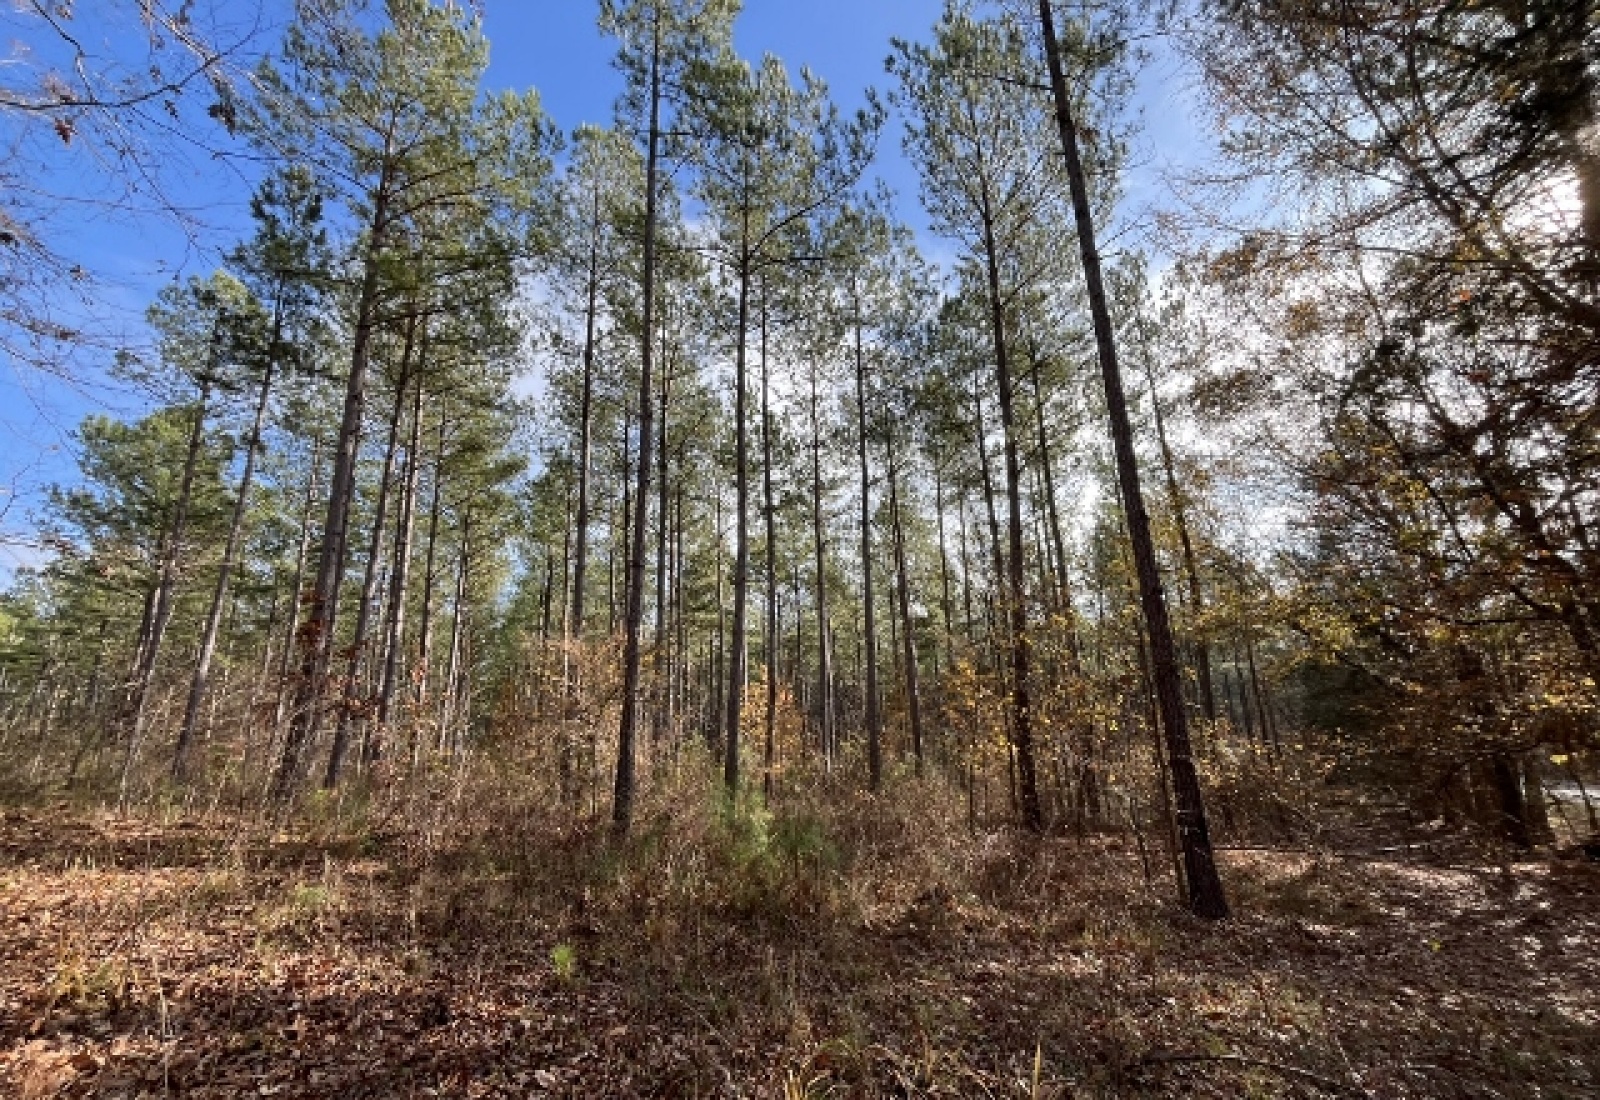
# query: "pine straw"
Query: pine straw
481,943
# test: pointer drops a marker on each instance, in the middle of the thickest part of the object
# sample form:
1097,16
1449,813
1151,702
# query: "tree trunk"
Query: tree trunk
424,669
322,609
623,788
874,720
769,512
1206,898
350,697
969,622
946,606
296,596
166,584
660,657
737,646
1191,571
907,634
1015,574
825,704
241,504
580,549
681,681
1052,510
718,660
997,556
399,579
450,716
1269,727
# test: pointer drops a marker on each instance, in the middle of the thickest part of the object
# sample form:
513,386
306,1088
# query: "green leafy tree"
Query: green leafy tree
975,131
773,158
393,122
659,43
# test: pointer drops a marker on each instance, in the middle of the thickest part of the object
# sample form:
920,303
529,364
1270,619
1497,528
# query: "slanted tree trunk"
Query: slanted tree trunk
1191,570
160,606
230,553
322,607
399,580
350,697
1206,898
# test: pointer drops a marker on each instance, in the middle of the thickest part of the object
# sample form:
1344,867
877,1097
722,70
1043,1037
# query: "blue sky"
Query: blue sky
552,45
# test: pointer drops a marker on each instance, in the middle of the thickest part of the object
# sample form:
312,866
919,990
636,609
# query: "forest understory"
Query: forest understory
837,944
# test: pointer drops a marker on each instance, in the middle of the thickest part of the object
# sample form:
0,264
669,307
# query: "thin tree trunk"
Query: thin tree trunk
322,610
874,720
423,675
1052,509
769,512
718,661
946,605
1180,516
623,789
1269,728
661,652
1206,898
350,696
907,635
738,655
241,505
167,583
449,698
399,581
1016,574
626,526
969,622
547,596
681,682
997,555
825,706
296,595
1082,728
580,549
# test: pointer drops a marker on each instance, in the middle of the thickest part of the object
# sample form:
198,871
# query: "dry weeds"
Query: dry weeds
838,946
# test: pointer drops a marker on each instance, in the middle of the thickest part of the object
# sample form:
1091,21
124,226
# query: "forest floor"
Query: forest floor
782,957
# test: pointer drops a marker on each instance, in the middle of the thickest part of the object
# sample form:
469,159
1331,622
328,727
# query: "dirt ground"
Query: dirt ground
212,959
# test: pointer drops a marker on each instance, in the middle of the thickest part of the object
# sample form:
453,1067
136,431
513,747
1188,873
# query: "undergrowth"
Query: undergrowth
825,942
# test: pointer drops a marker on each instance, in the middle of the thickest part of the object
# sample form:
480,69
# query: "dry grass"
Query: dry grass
481,941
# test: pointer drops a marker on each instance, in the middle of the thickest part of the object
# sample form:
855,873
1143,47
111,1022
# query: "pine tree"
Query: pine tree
395,120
